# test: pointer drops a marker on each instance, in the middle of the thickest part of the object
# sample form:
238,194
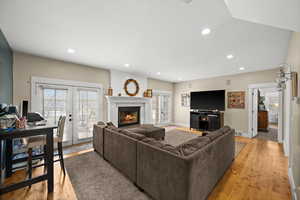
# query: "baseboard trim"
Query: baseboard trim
181,124
285,149
292,183
242,134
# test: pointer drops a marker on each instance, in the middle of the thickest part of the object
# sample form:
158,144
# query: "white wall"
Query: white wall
293,58
118,78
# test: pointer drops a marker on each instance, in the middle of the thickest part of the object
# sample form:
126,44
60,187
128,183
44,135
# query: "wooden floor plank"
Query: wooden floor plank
258,173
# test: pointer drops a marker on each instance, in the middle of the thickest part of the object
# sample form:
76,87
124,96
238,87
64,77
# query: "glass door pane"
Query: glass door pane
161,108
56,102
87,113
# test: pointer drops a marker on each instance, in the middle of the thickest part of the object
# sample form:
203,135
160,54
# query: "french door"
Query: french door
86,113
80,105
55,101
161,107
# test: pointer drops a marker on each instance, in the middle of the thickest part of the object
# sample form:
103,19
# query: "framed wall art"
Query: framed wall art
236,100
185,99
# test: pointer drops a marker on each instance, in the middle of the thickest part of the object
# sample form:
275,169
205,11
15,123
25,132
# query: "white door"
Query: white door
55,101
253,111
280,117
86,113
80,105
164,109
155,109
161,108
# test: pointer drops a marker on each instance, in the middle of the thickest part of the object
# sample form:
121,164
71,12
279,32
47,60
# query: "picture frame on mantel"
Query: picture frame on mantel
236,100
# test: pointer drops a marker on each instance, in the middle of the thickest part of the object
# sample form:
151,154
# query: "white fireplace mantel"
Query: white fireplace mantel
114,102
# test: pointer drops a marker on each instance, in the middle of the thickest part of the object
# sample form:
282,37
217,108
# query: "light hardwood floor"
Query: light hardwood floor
258,173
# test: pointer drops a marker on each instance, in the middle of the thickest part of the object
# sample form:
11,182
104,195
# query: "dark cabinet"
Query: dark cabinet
263,120
194,121
206,120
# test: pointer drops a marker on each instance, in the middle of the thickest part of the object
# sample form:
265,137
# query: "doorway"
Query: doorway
80,104
266,112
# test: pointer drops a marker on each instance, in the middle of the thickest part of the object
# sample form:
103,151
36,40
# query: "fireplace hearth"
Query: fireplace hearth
128,116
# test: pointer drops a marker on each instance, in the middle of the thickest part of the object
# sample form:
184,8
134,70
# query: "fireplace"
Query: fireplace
128,116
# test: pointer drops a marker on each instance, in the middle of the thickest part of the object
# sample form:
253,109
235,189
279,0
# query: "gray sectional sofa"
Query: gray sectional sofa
186,172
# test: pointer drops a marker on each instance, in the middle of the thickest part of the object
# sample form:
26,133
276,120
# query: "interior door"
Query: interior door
86,113
254,112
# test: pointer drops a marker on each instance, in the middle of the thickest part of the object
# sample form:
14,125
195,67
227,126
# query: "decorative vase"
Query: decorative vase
110,91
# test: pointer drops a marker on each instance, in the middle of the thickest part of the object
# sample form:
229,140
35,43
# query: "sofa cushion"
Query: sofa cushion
152,142
150,131
132,135
138,130
192,145
101,123
171,149
225,129
160,145
111,126
215,134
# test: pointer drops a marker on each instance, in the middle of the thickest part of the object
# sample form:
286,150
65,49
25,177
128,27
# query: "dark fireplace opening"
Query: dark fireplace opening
128,116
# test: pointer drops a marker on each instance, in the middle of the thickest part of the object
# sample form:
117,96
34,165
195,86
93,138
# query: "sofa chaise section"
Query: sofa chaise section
169,175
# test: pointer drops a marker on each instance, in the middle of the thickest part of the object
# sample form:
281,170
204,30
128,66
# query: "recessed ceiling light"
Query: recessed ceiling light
242,68
230,56
158,73
71,51
127,65
205,31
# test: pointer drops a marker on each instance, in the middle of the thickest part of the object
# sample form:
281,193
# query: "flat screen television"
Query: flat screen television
208,100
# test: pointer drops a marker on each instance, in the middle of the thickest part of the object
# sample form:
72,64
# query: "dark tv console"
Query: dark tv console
206,120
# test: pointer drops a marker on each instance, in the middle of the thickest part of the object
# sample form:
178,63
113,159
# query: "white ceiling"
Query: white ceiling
153,36
278,13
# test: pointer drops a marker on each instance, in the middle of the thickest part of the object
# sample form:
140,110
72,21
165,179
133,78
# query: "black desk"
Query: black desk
27,132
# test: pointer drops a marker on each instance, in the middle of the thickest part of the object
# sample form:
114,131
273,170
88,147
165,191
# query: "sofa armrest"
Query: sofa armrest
98,138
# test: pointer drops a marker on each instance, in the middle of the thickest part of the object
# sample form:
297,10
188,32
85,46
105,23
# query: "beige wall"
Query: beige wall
293,58
160,85
25,66
163,86
237,118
